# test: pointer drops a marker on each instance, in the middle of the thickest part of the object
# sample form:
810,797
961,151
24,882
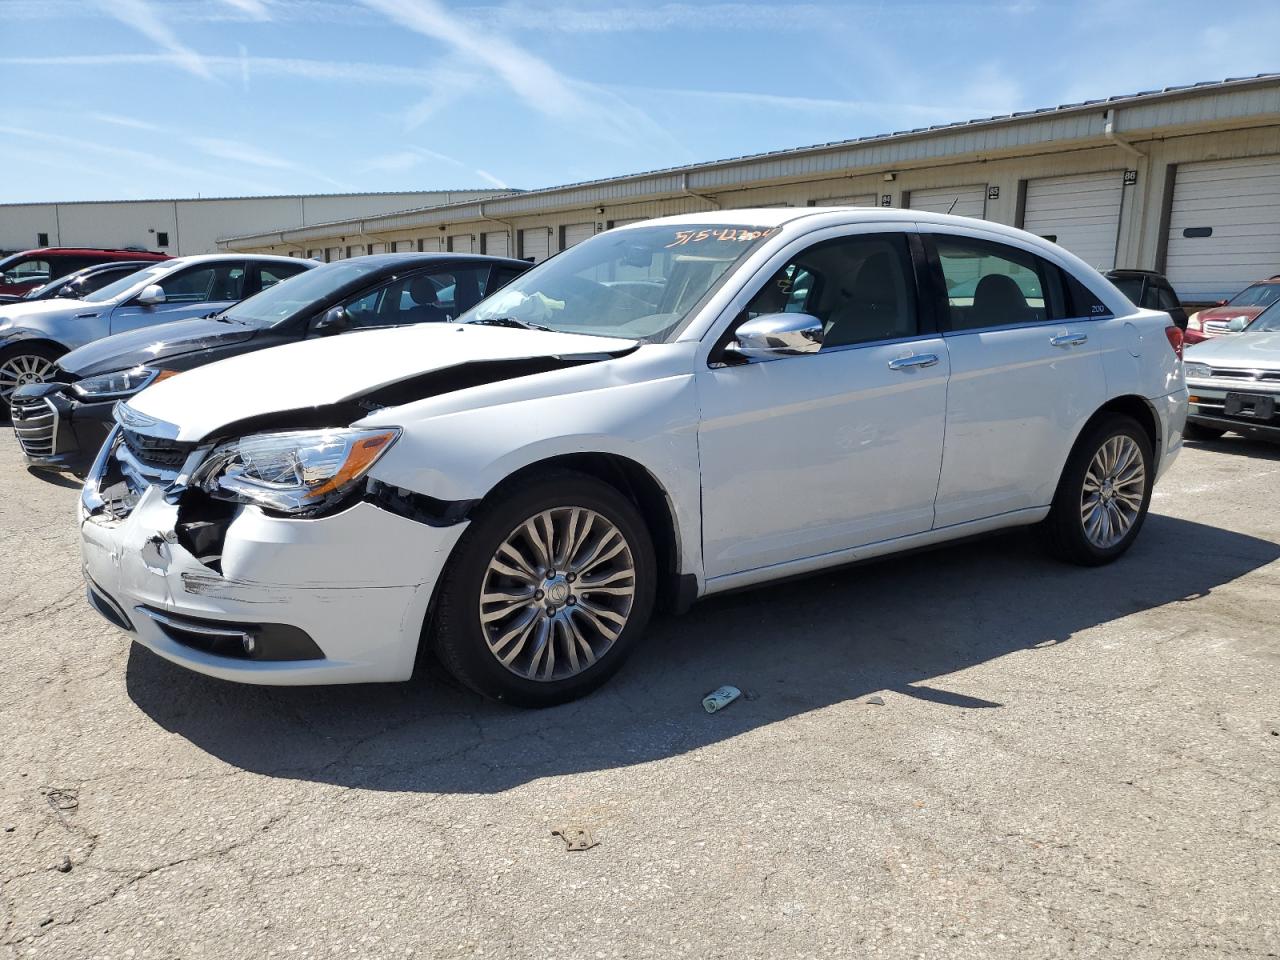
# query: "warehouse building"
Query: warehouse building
183,227
1185,181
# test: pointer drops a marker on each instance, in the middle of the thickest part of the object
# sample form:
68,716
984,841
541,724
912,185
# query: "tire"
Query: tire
18,363
1078,534
552,667
1196,431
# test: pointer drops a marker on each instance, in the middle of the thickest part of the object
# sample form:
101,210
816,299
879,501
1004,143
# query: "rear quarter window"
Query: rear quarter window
1081,301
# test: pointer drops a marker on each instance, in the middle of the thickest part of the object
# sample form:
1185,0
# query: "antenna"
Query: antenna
953,203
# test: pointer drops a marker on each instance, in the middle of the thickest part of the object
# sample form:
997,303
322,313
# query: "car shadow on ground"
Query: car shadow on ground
793,647
1238,445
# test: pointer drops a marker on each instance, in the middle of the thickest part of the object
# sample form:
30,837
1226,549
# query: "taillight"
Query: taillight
1175,339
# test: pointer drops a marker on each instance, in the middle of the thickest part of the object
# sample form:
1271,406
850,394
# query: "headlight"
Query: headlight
122,383
1200,371
298,472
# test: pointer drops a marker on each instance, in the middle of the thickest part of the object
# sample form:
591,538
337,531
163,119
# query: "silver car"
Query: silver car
34,334
1234,382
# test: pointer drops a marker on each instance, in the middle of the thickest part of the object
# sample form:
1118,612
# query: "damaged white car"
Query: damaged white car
668,410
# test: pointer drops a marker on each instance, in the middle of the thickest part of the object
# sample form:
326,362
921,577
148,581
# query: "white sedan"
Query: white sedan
669,410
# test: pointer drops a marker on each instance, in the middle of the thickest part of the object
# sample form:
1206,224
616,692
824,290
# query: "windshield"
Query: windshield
43,293
287,298
125,284
1268,321
640,283
1259,295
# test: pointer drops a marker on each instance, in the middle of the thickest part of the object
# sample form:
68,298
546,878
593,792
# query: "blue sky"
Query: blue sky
124,99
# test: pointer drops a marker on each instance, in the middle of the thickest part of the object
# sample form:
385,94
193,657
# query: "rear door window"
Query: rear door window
269,274
990,284
205,283
432,296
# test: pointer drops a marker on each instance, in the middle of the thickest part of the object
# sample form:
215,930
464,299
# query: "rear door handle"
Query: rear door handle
919,360
1070,340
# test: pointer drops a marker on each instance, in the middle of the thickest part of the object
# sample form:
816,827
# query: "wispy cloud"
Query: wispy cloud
254,9
532,79
404,160
115,119
238,152
140,16
820,105
133,159
335,70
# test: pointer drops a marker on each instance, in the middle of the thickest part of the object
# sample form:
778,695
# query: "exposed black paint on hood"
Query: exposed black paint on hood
148,346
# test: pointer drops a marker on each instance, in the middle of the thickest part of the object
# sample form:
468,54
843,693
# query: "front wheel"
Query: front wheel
547,592
21,365
1104,493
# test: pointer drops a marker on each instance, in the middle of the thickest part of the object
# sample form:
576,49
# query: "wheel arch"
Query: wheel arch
1130,405
638,484
19,339
1140,409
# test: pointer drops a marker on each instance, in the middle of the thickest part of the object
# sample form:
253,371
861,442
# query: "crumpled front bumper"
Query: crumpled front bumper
357,584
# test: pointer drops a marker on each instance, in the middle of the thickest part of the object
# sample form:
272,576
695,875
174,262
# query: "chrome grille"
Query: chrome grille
1257,376
156,452
35,421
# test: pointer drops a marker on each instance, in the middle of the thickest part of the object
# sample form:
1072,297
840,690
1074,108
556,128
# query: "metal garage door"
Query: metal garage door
460,243
1224,227
1081,213
535,244
574,233
625,220
426,245
861,200
962,201
495,243
377,248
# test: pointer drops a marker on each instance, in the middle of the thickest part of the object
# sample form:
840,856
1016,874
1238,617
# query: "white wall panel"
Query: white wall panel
1081,213
1238,203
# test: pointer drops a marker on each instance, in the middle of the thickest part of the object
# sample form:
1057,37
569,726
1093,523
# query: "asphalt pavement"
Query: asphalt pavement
1065,762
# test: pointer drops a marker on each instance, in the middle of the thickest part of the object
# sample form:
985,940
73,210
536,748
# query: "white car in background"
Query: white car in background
666,411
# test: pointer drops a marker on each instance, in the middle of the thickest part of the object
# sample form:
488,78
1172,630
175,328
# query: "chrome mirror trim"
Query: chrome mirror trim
775,335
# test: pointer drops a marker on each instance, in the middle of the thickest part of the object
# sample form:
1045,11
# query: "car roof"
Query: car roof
228,257
392,260
91,251
781,216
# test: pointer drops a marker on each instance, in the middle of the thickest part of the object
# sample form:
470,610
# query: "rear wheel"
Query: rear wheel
548,590
1104,493
1195,431
21,365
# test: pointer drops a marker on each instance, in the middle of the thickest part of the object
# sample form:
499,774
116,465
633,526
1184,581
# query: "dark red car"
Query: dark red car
29,269
1232,316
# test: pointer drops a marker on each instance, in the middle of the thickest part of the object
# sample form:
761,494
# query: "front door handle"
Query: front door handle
919,360
1070,340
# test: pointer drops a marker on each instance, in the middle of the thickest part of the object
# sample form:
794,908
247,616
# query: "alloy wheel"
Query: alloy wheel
1114,488
21,369
557,593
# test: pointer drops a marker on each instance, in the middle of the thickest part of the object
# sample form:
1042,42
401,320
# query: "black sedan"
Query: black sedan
62,423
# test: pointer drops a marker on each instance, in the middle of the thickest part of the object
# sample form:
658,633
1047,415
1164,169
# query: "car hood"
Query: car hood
295,385
1222,314
150,345
34,311
1249,351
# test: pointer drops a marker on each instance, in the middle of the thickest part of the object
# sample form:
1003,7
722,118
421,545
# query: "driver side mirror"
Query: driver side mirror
1236,324
150,295
333,320
775,335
